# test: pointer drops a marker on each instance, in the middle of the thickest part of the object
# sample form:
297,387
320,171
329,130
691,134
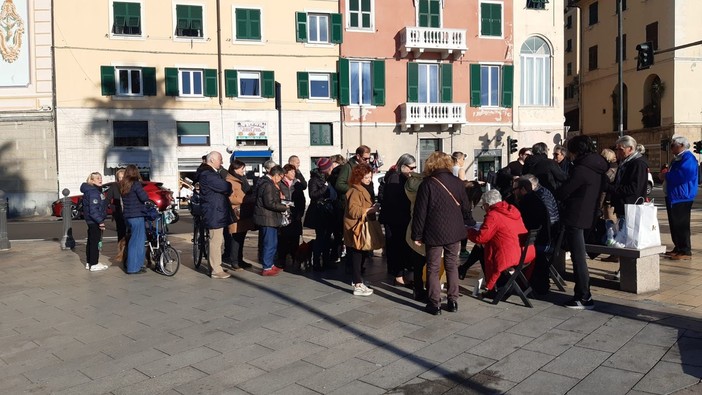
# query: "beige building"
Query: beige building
27,139
658,102
161,83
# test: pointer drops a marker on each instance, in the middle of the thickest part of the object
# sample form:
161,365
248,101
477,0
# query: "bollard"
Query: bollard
67,241
4,240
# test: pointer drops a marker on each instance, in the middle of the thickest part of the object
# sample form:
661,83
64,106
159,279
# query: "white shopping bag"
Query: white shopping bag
641,225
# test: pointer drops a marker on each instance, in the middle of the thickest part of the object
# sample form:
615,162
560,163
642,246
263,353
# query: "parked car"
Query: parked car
162,197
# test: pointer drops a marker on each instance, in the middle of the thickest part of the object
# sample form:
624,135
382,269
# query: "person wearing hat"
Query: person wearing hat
320,214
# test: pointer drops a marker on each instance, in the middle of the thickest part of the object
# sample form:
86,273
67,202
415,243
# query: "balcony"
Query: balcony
431,39
447,115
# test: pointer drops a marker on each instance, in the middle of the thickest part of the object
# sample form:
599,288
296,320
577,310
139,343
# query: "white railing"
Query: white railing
431,39
416,115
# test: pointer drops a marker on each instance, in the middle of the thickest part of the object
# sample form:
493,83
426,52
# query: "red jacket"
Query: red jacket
499,234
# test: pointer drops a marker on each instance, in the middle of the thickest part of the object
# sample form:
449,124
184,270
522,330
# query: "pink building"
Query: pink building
425,75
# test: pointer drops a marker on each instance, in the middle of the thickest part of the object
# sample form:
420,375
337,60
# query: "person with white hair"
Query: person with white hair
681,187
499,234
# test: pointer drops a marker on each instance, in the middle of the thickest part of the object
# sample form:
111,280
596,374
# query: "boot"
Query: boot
120,250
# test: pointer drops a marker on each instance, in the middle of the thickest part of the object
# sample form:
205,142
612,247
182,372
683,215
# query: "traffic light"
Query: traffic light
594,144
698,147
645,56
512,145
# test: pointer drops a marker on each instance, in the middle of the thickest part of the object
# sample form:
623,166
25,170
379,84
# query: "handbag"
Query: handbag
285,219
640,226
367,235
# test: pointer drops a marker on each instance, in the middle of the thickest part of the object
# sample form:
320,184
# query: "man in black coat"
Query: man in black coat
216,211
547,171
579,195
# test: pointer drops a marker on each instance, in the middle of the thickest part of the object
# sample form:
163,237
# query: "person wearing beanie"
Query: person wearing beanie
320,214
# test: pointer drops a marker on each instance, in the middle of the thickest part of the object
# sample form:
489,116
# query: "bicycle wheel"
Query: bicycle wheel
197,257
205,246
169,261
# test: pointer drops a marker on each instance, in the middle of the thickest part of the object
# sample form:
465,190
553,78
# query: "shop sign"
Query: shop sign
250,130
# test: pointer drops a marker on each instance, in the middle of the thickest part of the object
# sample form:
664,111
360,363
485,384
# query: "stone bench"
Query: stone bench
639,270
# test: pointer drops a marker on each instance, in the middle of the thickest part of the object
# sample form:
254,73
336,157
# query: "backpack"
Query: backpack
195,204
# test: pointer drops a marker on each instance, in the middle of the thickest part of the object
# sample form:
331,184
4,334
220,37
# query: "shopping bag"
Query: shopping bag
641,226
368,235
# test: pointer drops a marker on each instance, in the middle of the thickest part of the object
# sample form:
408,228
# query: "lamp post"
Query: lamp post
620,79
67,241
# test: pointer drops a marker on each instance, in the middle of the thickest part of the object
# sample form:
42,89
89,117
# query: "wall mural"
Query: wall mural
14,66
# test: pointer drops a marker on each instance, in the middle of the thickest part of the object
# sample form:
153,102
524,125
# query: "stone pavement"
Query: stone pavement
66,330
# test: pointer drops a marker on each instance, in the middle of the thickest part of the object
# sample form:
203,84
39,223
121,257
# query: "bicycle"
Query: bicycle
201,235
201,241
161,254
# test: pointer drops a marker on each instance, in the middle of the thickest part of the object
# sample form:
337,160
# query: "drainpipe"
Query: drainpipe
53,90
219,55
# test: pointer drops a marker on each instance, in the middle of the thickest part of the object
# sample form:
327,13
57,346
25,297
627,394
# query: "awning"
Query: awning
252,154
189,164
122,157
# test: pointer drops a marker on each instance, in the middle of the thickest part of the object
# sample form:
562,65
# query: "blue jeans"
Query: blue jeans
136,250
269,245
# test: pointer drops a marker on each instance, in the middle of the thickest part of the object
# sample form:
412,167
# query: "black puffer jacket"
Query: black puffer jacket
546,170
580,193
437,220
269,209
323,203
395,204
94,204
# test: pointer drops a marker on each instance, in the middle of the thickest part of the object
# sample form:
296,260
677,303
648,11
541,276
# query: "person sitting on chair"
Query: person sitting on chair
499,235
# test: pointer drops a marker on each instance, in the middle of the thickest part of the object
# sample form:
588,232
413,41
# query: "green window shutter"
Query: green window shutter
107,80
507,86
119,12
210,76
231,85
490,19
378,71
301,26
255,24
267,84
133,14
172,82
423,13
148,75
336,29
303,85
195,16
334,85
242,23
183,16
434,13
475,85
344,82
446,83
412,82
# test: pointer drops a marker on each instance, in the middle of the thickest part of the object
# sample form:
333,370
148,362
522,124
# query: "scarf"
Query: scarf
622,167
245,186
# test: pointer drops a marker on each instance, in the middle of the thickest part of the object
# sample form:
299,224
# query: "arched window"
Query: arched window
536,77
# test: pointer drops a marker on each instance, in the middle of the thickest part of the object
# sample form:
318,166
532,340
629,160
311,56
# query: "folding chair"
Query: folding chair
518,274
552,272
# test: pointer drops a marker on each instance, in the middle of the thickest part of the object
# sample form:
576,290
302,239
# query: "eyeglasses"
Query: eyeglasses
365,159
411,167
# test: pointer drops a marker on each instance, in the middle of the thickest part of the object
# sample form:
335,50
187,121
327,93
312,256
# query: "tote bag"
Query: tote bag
641,225
368,235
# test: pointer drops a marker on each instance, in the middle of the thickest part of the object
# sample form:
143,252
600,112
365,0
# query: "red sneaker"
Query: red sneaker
273,271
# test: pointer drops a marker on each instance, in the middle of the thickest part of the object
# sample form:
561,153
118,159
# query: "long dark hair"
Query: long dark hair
581,145
131,175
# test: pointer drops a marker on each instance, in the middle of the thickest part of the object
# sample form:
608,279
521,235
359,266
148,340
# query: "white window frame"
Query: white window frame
238,41
532,95
360,83
309,27
118,81
248,74
488,88
326,77
127,36
502,20
192,85
202,39
349,11
428,83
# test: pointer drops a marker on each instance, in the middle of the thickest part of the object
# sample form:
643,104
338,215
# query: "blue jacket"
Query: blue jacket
214,194
133,202
681,179
94,204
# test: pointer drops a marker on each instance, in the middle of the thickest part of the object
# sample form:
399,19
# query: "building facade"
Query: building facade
27,139
658,102
451,76
160,84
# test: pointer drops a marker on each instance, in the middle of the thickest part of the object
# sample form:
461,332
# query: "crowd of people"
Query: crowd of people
427,217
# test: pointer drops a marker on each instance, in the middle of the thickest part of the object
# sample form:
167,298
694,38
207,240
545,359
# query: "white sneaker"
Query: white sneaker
615,243
98,267
360,289
87,266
